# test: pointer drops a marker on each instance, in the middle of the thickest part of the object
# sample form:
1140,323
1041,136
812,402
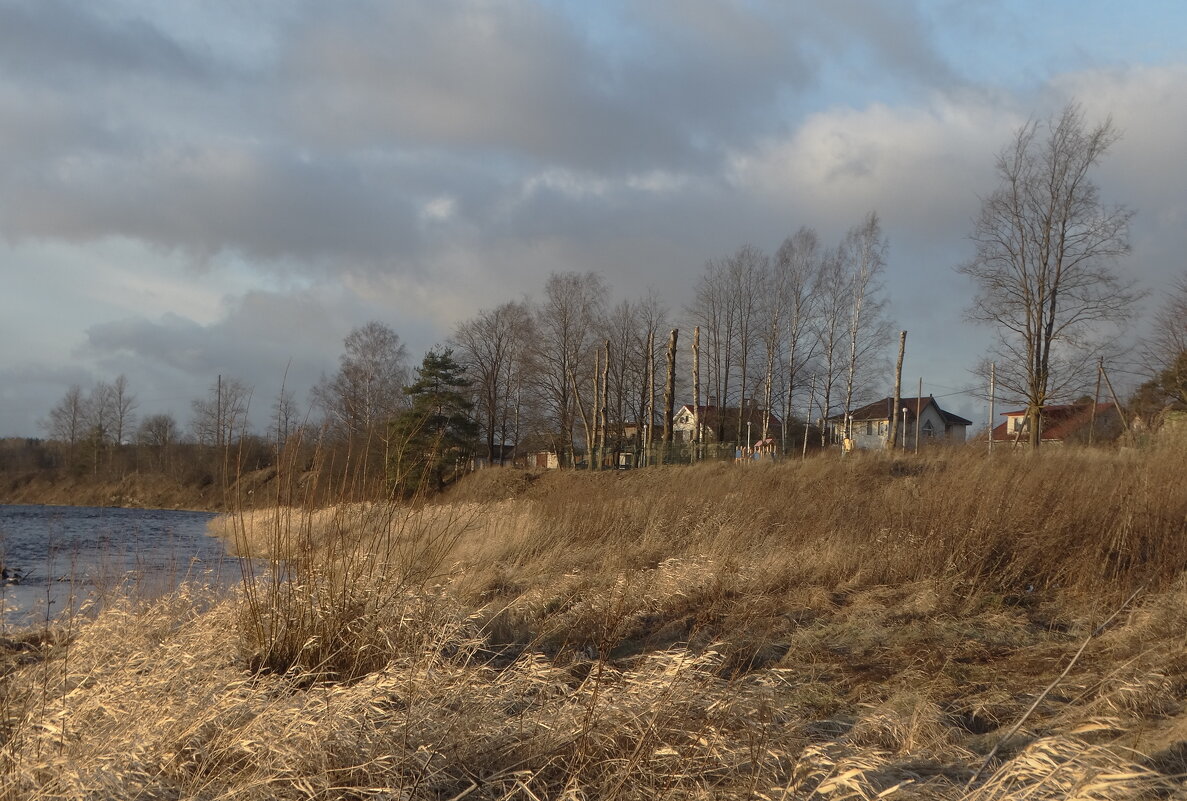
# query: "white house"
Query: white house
721,424
869,426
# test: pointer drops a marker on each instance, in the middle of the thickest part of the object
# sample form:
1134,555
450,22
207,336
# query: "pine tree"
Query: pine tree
431,437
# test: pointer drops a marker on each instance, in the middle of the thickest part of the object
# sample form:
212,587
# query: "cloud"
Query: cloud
333,147
522,80
925,165
218,197
1148,106
50,41
215,186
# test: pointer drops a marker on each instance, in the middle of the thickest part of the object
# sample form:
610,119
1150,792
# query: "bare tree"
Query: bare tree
284,421
67,420
123,407
1168,338
220,418
729,309
863,254
566,323
631,328
654,318
368,389
158,433
492,346
772,310
795,273
832,290
1165,351
747,275
99,415
1164,358
1045,249
714,310
624,369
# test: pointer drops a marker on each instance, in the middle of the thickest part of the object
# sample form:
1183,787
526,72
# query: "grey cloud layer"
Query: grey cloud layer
331,145
416,160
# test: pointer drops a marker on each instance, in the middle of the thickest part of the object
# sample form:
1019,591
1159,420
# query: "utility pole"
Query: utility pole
918,412
1117,403
992,390
1100,369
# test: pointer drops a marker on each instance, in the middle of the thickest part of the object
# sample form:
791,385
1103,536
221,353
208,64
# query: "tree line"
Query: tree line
560,372
801,333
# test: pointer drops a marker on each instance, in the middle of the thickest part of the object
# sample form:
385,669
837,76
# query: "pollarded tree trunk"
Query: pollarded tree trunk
670,390
898,393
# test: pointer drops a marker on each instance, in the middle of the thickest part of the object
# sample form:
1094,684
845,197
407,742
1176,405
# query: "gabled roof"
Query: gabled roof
880,410
1059,421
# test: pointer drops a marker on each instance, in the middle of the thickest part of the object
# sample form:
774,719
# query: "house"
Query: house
869,426
542,460
1066,423
721,424
503,454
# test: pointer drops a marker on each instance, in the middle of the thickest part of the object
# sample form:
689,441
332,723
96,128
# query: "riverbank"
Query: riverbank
842,630
138,490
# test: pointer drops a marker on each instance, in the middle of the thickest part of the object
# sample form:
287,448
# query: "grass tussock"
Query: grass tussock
857,629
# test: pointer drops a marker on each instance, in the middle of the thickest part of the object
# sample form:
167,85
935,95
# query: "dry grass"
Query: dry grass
856,629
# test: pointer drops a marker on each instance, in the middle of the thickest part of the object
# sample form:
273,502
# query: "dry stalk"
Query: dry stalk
1018,725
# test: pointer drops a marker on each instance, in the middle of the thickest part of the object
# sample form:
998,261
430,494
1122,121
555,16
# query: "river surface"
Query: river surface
65,555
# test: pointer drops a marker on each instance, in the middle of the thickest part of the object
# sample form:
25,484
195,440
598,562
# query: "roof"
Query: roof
880,410
1059,421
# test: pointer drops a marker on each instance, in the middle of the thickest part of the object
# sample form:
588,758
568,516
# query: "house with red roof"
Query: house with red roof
1063,423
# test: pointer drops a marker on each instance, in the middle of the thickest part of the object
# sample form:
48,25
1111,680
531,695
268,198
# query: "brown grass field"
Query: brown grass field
945,626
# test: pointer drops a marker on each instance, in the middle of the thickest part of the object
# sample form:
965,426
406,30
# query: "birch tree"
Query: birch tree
566,323
832,290
863,255
123,408
795,272
367,391
747,271
715,311
1045,261
67,420
492,346
220,418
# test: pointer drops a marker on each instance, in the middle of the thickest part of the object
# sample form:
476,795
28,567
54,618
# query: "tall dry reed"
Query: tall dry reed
834,629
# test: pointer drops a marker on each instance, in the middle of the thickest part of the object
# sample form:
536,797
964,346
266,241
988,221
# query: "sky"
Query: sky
211,187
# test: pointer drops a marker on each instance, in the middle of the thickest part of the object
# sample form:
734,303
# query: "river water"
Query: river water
65,555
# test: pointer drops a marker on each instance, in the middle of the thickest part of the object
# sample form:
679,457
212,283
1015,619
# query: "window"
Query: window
869,427
928,429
